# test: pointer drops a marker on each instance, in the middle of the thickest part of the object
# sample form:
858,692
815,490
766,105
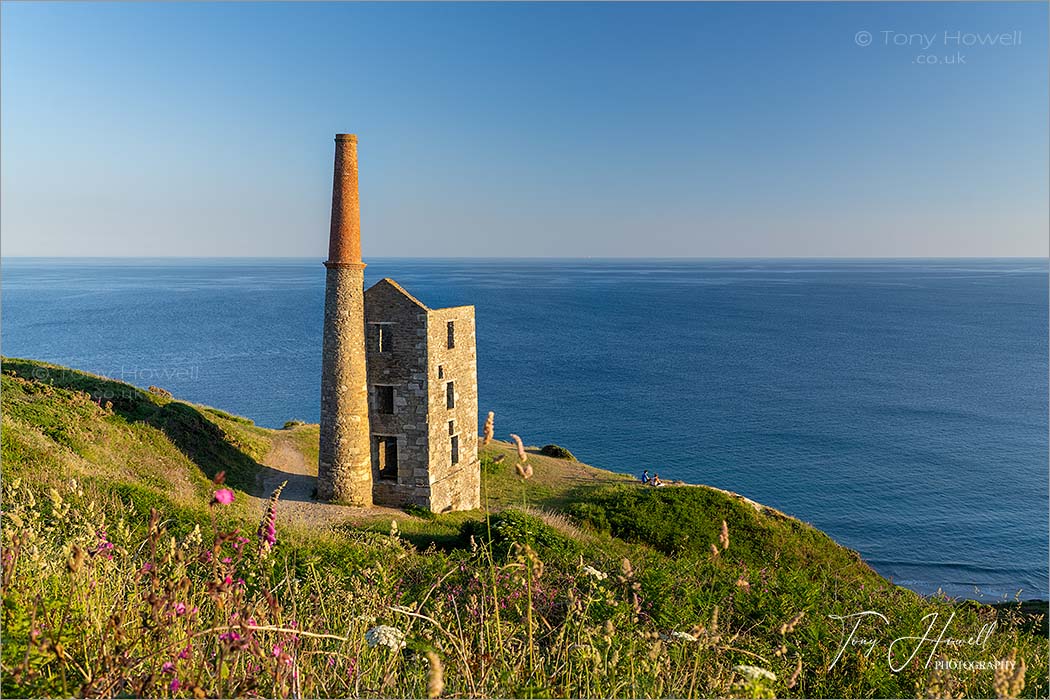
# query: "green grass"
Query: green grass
573,583
307,439
59,423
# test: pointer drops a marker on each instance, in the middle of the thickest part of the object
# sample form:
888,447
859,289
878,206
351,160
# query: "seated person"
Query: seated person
645,477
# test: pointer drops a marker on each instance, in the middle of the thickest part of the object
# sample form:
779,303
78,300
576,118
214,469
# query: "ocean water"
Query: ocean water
899,405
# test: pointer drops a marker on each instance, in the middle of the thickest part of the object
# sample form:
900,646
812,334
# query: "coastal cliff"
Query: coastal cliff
138,559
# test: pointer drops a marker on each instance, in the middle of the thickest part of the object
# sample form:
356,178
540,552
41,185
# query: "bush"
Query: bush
590,514
511,526
491,465
557,452
674,520
157,391
294,423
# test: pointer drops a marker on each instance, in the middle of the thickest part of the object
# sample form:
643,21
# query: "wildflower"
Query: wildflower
167,667
435,674
754,673
174,685
524,470
104,546
384,635
223,497
185,653
180,608
489,428
393,528
268,526
684,636
591,571
281,655
743,584
723,536
714,551
522,454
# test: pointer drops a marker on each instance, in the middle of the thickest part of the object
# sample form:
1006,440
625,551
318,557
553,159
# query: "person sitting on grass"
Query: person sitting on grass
656,480
646,479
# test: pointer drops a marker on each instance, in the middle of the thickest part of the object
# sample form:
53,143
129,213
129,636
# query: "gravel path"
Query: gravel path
297,504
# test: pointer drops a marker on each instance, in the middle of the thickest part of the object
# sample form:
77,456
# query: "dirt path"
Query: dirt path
297,504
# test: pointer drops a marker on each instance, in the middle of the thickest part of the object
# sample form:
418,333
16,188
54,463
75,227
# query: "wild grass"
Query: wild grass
570,584
98,602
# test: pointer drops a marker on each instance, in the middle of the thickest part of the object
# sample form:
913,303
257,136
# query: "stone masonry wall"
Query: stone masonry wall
403,367
344,463
453,486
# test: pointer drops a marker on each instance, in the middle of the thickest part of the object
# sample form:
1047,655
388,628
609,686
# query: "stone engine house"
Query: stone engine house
422,401
399,390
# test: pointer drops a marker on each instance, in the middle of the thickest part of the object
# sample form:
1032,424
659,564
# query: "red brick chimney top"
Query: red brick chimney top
344,243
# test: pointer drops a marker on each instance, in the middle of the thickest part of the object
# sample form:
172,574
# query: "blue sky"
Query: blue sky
700,130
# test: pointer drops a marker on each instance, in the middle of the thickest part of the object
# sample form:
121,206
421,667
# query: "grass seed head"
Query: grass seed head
523,456
75,562
490,428
1009,676
435,672
793,681
789,626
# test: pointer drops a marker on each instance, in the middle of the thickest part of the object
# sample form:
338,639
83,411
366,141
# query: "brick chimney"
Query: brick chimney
344,470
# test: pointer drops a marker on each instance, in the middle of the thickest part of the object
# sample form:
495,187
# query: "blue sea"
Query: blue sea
899,405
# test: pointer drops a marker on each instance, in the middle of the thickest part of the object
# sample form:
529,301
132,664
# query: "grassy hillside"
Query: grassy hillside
123,576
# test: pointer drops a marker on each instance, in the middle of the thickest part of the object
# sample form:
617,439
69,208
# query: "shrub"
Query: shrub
557,452
590,514
509,526
294,423
674,520
157,391
491,465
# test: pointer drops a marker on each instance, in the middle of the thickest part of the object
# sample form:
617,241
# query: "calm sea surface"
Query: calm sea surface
899,405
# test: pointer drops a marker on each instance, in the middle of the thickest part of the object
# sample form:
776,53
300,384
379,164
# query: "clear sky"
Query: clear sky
701,130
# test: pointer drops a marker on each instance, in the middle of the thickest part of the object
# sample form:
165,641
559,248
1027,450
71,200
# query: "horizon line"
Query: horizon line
529,257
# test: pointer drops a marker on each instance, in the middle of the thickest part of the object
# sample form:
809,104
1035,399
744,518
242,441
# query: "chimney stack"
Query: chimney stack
344,470
344,243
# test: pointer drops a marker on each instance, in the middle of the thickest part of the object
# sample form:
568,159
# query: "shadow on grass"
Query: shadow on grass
188,428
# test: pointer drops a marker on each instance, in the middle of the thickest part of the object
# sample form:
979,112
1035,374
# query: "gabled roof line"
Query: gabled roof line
401,290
